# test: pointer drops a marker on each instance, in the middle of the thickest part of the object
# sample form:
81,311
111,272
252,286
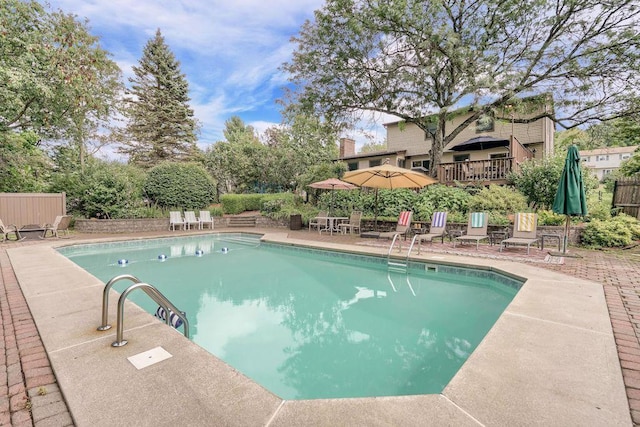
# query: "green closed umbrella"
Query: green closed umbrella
570,198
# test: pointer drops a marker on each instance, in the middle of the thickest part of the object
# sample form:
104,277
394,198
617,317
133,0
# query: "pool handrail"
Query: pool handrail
151,291
105,298
155,295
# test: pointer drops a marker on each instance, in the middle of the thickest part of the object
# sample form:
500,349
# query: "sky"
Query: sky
230,51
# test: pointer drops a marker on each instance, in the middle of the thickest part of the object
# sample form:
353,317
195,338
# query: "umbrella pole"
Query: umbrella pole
375,213
331,209
567,228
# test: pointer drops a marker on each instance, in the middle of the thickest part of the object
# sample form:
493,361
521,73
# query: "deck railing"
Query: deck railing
485,171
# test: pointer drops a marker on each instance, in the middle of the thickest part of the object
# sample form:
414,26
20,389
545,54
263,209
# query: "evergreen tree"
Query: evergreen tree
161,123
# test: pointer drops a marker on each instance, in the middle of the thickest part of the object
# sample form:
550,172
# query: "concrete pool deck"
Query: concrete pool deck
551,358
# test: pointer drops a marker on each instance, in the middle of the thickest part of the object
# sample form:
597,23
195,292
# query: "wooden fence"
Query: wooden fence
31,208
626,196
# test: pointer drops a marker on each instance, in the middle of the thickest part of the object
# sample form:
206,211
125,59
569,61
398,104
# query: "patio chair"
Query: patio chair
190,218
321,221
61,224
524,231
353,224
175,219
438,228
476,229
6,230
404,224
205,218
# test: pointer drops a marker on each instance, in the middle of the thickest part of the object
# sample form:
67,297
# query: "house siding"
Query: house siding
603,161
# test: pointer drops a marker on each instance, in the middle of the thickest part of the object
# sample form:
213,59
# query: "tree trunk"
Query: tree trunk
438,144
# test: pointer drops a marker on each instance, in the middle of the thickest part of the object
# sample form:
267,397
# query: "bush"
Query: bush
216,210
237,203
619,231
103,190
631,223
435,198
599,205
550,218
180,185
503,200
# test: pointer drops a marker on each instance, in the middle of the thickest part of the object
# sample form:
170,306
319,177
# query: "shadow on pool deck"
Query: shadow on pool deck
31,383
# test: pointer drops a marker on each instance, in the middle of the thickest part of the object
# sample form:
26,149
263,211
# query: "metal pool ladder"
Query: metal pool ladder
151,291
395,264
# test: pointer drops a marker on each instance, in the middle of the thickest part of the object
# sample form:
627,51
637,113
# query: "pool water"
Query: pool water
308,323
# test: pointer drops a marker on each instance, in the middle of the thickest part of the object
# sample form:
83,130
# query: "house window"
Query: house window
422,165
352,166
460,157
624,156
498,155
606,172
603,158
485,124
430,132
373,163
400,163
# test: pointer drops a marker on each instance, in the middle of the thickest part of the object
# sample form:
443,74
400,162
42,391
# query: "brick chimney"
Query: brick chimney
347,147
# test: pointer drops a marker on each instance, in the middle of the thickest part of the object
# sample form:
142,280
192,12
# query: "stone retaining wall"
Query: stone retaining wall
153,224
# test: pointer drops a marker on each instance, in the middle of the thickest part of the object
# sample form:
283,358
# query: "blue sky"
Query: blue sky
230,51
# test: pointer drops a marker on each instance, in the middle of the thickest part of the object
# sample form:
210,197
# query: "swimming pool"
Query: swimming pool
308,323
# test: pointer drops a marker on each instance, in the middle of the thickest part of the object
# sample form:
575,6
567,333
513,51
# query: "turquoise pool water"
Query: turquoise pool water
308,323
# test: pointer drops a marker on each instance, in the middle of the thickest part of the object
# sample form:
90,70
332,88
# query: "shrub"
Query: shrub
436,198
631,223
216,210
620,230
610,233
238,203
599,205
106,190
546,217
180,185
504,200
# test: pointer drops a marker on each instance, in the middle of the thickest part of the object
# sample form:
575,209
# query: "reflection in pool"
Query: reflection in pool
307,323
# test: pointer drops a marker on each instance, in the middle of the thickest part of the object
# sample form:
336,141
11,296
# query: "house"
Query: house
603,161
485,151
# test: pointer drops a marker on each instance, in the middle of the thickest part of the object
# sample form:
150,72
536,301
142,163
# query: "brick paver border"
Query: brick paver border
29,394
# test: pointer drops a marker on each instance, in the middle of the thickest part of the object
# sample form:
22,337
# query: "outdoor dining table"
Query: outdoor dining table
332,223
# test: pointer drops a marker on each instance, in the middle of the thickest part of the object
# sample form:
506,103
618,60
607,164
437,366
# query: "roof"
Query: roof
374,154
469,108
609,150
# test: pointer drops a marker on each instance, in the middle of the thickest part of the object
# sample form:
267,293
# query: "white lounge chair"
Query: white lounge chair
205,218
190,218
175,219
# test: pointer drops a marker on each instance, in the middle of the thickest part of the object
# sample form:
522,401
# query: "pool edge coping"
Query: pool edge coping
457,404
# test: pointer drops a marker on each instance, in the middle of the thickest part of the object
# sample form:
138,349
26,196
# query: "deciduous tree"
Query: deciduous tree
421,60
55,78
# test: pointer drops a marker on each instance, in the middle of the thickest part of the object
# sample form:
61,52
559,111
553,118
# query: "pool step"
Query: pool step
242,221
397,266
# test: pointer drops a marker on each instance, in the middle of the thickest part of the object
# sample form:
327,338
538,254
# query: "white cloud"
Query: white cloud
229,51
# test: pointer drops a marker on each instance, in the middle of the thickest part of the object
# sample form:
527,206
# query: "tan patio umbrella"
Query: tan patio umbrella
387,176
332,184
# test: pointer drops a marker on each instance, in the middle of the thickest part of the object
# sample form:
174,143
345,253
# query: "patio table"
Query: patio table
332,223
